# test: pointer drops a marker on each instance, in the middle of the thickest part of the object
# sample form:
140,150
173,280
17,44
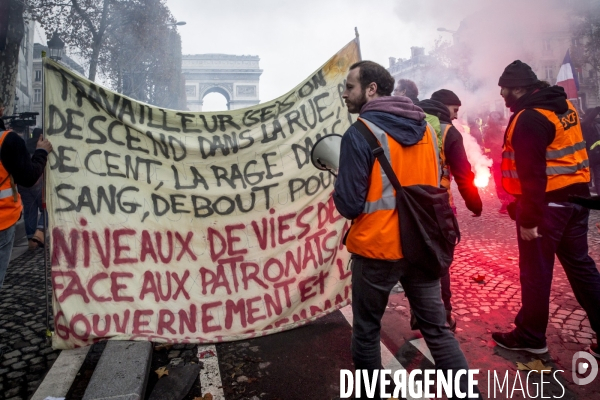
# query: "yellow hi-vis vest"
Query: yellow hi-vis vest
10,200
446,178
445,127
376,232
566,158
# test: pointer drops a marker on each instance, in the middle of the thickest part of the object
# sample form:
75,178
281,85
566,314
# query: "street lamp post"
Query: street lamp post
178,23
56,47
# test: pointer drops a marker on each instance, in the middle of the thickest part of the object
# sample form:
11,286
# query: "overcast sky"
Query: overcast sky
294,38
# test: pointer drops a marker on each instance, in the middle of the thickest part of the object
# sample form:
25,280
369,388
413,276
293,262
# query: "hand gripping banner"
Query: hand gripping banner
192,227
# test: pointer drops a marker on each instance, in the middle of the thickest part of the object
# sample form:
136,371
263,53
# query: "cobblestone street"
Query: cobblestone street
486,297
26,354
489,249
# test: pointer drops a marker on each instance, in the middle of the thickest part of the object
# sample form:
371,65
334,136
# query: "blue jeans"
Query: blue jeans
32,207
564,230
372,281
7,237
446,292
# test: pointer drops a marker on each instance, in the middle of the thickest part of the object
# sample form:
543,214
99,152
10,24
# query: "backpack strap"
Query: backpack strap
378,153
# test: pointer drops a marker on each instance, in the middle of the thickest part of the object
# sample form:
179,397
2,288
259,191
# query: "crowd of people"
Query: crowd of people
541,171
543,157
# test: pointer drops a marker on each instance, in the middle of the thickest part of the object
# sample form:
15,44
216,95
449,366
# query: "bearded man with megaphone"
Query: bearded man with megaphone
393,132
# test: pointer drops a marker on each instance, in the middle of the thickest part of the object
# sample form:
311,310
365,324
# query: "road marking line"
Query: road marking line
210,376
388,360
59,379
422,347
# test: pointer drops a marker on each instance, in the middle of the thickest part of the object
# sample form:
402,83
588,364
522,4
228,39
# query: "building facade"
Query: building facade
488,40
412,68
23,92
548,51
416,68
37,102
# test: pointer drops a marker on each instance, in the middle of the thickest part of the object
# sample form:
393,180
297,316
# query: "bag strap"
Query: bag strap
378,153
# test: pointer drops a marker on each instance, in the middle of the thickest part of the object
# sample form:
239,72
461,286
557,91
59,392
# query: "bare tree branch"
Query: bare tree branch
86,18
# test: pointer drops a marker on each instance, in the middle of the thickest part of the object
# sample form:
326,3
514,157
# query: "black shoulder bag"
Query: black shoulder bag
428,228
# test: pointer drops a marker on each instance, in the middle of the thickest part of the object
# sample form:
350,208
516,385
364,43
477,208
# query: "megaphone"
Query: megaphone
325,154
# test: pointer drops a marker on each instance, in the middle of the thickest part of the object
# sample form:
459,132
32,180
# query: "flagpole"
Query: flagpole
358,42
44,210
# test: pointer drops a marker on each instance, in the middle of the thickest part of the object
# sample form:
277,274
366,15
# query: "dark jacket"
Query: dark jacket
456,156
493,137
475,131
590,117
356,162
590,126
532,135
24,168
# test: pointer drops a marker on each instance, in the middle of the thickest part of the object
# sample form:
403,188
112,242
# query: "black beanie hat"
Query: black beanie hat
517,74
447,97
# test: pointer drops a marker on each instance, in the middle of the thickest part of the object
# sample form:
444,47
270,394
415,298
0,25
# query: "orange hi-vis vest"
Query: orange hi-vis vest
376,232
10,200
566,158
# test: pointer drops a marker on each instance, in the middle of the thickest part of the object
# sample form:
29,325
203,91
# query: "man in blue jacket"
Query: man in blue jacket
364,195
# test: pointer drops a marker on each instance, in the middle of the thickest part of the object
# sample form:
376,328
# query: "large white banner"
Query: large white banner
192,227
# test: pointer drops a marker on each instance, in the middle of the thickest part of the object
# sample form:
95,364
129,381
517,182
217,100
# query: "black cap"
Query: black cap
447,97
517,74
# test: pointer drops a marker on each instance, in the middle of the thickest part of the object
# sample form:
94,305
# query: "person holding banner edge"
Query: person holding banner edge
374,237
31,197
16,167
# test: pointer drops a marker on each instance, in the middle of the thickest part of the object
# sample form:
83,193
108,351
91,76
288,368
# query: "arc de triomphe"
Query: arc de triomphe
235,77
